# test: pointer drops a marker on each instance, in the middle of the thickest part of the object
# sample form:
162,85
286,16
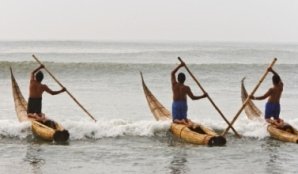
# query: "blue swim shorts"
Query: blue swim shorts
272,110
179,110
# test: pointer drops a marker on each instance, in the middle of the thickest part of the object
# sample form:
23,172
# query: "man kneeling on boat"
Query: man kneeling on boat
36,90
180,91
272,108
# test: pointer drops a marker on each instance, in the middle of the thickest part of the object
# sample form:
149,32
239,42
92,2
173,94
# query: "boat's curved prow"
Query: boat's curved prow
19,100
157,109
251,110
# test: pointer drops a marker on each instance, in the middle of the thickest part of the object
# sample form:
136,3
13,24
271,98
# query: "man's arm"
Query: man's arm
267,94
173,74
193,97
35,71
274,72
271,70
48,90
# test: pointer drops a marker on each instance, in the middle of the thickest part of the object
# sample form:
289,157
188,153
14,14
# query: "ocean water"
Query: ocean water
105,78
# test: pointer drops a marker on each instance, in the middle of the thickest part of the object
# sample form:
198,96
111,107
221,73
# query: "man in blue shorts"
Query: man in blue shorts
272,108
180,91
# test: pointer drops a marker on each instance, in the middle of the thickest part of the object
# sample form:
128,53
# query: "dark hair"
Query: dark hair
181,77
39,76
275,79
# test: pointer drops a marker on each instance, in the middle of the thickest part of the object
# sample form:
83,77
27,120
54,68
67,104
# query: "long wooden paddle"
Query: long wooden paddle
211,101
66,89
251,94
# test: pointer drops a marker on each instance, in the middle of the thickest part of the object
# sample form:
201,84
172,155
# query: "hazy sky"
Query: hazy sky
160,20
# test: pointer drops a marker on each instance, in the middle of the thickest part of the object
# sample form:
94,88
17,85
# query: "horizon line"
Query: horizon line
147,41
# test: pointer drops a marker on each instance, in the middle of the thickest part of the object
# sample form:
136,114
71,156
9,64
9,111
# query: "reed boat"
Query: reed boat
287,133
58,134
200,135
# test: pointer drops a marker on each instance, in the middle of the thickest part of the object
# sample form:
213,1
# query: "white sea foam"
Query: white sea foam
90,130
255,128
114,128
14,129
80,130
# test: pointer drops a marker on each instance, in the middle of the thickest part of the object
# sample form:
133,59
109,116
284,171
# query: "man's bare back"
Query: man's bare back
275,93
180,91
36,90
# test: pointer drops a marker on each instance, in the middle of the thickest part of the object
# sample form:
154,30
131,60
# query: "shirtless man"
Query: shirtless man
36,90
180,91
272,109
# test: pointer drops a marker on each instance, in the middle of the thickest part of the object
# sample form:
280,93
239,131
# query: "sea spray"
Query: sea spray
14,129
114,128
